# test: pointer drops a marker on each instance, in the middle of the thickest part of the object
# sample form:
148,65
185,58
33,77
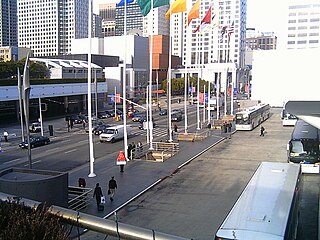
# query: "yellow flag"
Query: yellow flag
176,7
194,12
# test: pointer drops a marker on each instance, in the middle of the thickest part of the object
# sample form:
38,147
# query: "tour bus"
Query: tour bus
288,119
252,117
303,146
267,209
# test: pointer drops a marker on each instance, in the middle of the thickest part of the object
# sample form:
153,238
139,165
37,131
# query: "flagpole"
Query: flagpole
186,82
91,174
124,104
202,67
198,85
169,79
150,122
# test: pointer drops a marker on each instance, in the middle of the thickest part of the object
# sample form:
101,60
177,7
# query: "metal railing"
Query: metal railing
79,197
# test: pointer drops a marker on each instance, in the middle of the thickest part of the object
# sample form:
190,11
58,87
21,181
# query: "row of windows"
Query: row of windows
304,20
303,35
303,27
303,42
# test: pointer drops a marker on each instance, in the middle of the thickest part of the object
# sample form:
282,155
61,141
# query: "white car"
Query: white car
35,127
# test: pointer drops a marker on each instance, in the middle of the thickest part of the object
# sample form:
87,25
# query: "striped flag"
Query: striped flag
223,31
230,31
206,20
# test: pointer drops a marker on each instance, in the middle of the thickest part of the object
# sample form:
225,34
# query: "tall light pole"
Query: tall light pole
91,156
20,94
26,96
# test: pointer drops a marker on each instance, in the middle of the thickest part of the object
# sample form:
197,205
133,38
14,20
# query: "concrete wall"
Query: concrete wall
38,185
282,75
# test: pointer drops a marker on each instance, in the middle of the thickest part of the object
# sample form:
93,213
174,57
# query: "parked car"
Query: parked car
176,117
35,141
103,114
35,127
163,112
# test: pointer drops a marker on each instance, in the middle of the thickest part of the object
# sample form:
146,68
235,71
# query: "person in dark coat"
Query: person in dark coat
112,188
98,194
262,131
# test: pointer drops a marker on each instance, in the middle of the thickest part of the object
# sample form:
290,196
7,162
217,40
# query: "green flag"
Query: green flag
145,5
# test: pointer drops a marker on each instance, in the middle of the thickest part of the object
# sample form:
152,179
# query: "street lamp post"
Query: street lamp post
26,96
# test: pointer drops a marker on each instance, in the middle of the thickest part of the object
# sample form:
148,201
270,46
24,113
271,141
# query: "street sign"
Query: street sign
121,159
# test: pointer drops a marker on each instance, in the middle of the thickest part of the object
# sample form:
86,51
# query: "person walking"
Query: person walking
5,135
98,194
175,127
112,188
262,131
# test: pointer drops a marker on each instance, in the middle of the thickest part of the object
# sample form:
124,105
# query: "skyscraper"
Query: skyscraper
108,14
134,19
8,23
47,27
303,24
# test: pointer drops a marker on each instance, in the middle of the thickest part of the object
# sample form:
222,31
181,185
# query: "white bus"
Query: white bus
252,117
267,209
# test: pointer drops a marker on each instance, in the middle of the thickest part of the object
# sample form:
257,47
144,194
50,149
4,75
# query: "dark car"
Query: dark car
35,142
163,112
104,114
100,129
144,119
176,117
142,127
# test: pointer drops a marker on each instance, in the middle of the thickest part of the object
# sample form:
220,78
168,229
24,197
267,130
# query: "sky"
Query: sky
265,16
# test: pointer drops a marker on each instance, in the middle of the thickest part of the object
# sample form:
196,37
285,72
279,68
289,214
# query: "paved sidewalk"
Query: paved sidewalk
138,175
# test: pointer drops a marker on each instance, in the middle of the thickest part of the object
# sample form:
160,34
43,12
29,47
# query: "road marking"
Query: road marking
52,149
32,163
72,150
14,160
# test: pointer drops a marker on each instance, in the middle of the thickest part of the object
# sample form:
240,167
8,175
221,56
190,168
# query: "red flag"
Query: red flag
230,31
205,20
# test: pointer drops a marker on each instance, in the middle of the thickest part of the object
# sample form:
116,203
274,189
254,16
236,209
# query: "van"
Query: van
115,133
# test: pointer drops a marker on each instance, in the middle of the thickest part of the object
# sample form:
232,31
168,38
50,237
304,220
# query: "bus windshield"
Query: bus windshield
242,118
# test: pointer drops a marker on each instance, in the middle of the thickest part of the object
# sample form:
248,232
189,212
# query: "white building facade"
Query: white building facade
155,23
223,41
47,27
303,24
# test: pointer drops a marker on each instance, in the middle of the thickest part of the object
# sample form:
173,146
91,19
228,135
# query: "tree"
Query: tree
177,85
21,222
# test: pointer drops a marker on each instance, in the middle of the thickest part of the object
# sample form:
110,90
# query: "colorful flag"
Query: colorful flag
223,31
122,2
145,5
205,20
176,7
230,31
194,12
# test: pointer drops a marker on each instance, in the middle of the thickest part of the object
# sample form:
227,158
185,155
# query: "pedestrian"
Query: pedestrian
209,125
175,127
82,182
84,124
112,188
71,124
229,126
133,149
139,146
129,150
98,194
262,131
68,126
5,135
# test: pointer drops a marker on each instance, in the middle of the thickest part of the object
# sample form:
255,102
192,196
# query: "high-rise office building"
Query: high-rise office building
8,23
47,27
155,22
221,41
108,14
134,19
303,24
